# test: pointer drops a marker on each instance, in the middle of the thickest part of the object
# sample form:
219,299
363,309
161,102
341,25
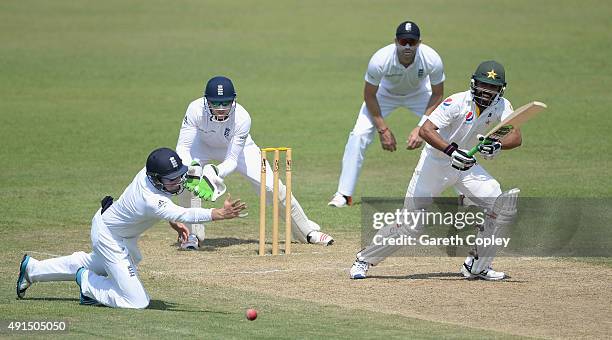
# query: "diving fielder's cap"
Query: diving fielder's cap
219,89
408,30
490,72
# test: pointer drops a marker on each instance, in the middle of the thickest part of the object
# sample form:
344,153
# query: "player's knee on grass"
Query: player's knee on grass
137,299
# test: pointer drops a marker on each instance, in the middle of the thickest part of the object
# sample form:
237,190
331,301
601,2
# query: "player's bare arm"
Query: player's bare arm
437,93
429,133
231,209
512,140
460,159
387,140
180,228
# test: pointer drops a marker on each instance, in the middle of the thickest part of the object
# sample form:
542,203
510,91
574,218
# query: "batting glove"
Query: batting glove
459,158
489,148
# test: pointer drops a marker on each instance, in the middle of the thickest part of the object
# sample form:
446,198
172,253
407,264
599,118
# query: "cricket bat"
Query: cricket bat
514,120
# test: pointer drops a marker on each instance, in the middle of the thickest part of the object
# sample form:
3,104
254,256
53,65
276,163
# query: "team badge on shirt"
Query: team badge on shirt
227,132
420,73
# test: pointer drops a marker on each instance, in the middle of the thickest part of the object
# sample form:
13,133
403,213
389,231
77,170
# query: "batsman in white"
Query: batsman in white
108,275
454,126
405,74
216,128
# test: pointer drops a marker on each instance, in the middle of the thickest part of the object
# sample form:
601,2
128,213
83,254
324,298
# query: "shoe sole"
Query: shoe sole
22,271
358,277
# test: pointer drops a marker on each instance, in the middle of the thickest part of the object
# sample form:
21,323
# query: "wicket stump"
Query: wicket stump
262,201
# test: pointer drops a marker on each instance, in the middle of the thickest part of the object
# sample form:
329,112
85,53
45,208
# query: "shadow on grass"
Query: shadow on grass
423,276
437,276
210,244
49,299
175,307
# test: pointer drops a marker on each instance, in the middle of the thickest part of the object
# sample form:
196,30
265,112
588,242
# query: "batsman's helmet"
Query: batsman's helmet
164,164
489,72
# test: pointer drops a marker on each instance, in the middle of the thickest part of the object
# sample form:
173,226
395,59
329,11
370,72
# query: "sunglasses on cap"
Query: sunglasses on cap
405,41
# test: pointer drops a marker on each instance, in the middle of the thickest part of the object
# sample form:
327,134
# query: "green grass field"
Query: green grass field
88,89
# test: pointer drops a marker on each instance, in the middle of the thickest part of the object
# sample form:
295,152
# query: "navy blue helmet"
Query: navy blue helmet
164,164
220,98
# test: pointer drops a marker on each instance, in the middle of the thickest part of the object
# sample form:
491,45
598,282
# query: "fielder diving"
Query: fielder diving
216,128
108,275
454,126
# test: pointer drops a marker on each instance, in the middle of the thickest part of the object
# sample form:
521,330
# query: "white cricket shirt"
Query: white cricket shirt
459,120
142,205
385,70
230,135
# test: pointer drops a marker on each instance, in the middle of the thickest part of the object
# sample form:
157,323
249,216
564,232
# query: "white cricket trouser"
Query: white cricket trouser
364,130
110,277
250,168
430,178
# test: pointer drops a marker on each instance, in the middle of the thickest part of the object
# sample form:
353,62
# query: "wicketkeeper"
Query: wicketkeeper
216,128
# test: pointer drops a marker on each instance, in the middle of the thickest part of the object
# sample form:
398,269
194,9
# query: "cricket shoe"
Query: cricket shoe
317,237
83,299
359,270
22,281
192,243
488,274
340,201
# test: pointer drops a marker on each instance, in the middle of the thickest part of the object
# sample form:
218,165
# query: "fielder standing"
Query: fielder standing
452,128
108,275
406,74
216,128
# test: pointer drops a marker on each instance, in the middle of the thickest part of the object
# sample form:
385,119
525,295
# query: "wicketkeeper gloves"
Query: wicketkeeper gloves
204,182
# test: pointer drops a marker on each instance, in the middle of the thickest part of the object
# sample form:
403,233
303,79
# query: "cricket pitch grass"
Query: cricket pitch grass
87,90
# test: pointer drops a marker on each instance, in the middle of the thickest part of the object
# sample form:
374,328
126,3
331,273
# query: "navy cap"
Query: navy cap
408,30
165,163
219,89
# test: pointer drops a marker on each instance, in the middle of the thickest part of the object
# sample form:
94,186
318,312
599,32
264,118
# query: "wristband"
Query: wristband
383,130
452,147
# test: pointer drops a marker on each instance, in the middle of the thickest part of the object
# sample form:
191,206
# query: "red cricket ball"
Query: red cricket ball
251,314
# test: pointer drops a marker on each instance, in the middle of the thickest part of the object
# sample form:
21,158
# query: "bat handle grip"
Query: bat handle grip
474,150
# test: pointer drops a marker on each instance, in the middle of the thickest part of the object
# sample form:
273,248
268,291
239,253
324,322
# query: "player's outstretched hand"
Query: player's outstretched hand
387,140
181,230
414,140
231,209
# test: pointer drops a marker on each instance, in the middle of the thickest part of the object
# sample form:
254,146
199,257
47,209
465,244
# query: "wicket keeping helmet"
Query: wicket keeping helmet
165,164
489,72
220,98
